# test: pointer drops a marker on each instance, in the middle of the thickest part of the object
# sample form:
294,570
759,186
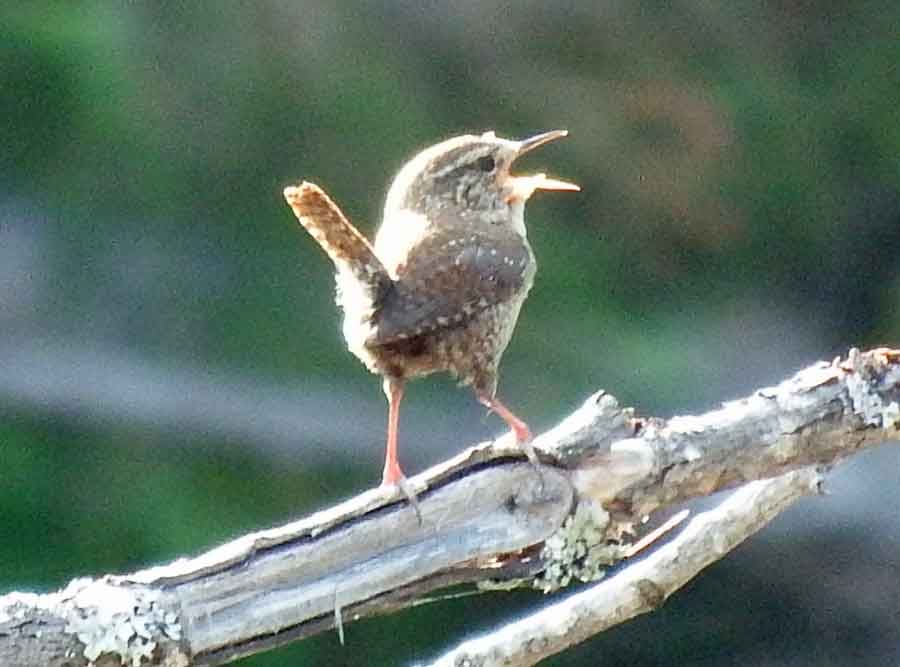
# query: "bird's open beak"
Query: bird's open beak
522,187
540,139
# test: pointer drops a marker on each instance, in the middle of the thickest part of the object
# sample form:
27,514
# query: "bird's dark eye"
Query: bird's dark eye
486,163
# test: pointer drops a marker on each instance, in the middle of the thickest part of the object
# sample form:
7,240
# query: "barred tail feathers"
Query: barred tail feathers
349,250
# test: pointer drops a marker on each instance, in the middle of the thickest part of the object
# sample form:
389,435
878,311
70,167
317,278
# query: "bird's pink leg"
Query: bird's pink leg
393,475
519,428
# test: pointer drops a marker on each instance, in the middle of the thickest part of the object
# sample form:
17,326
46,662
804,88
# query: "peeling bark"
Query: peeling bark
486,516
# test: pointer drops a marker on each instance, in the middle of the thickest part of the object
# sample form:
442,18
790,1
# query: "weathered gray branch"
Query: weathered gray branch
640,588
485,515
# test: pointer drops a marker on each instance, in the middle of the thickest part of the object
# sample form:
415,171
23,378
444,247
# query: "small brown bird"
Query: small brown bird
451,266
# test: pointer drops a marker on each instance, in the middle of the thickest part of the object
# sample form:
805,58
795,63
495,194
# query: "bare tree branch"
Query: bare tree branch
641,587
485,516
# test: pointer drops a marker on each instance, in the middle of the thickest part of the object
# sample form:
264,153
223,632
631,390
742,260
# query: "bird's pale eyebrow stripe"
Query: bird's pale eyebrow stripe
466,154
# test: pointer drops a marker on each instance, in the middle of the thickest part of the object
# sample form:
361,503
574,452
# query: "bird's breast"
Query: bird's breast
399,234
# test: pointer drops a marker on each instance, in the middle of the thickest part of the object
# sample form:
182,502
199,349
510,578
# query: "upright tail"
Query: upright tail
345,245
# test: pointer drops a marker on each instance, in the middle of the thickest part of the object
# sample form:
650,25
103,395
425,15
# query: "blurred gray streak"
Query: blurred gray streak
103,386
109,387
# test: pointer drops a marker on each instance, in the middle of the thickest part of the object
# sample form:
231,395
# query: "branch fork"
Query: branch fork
486,517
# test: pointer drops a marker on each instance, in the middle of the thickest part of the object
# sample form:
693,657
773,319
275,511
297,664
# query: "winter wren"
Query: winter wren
442,287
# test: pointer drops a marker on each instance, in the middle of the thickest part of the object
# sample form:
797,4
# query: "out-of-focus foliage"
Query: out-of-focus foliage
740,217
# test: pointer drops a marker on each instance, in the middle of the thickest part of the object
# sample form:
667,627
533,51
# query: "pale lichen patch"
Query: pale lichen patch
866,402
578,550
891,415
124,620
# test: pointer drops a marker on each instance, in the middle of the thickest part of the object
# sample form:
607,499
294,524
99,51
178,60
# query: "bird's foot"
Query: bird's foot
528,449
522,432
519,428
523,439
393,478
525,445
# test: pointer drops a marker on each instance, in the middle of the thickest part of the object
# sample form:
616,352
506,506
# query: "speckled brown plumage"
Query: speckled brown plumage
442,287
457,299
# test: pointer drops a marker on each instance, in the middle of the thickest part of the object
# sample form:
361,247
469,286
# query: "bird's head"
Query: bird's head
468,177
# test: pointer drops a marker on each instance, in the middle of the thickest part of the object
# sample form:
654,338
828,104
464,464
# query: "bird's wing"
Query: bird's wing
449,278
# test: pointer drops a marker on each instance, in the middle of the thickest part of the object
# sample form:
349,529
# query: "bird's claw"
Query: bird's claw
399,482
533,459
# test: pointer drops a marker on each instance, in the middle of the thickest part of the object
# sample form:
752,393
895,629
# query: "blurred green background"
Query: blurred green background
171,368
